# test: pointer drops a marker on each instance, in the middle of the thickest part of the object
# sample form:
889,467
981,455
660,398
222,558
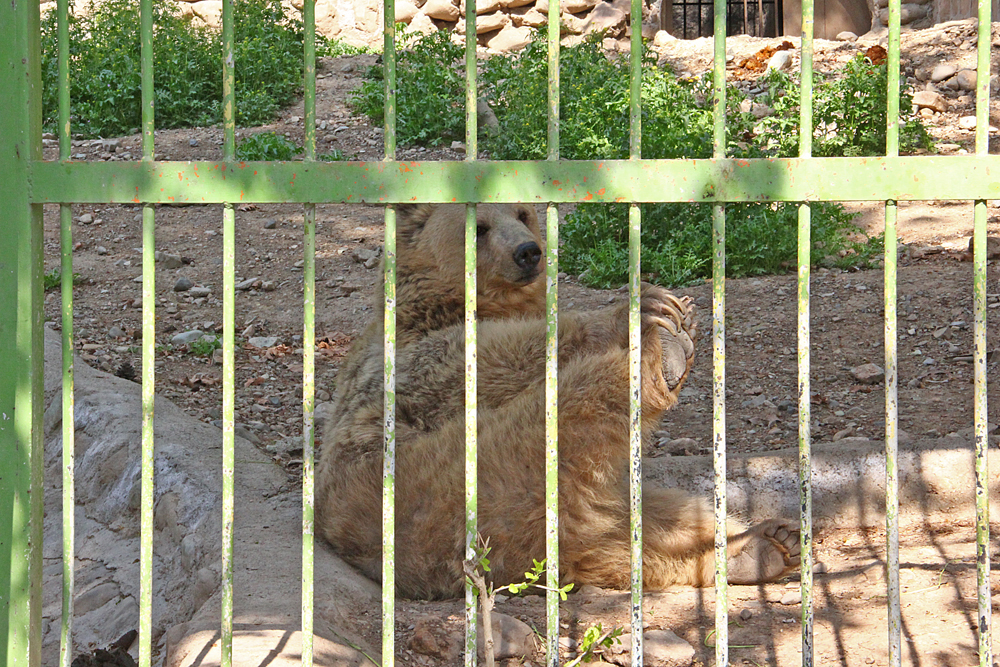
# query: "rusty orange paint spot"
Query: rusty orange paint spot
588,197
241,195
254,172
403,168
554,182
600,192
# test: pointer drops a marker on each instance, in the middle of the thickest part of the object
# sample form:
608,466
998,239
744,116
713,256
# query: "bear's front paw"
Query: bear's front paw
764,553
674,319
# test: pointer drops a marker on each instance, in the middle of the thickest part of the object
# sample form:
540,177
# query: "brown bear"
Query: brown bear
678,530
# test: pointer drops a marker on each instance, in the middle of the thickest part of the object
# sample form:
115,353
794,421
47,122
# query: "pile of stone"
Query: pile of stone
505,25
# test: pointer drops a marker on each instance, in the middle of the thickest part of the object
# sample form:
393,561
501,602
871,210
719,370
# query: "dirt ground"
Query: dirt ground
935,348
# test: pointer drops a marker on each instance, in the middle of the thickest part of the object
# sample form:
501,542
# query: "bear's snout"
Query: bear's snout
526,257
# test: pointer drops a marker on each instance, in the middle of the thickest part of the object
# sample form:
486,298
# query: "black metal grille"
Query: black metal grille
694,18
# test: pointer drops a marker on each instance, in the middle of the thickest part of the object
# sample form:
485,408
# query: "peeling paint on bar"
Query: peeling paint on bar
607,181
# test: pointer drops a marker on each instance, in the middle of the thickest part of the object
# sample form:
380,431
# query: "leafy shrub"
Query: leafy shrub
205,346
266,146
430,92
677,241
187,63
849,114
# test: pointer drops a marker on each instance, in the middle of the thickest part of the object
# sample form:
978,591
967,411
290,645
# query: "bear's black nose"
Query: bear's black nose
527,255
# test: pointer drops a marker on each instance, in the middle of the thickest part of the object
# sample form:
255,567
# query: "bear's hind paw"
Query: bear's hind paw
764,553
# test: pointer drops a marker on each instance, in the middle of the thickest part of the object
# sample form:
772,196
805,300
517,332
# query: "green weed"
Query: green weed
266,146
53,279
430,92
105,66
204,347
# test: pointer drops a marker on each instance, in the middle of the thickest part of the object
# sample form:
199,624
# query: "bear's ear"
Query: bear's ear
410,219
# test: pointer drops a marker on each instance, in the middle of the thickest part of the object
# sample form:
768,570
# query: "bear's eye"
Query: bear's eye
522,215
482,230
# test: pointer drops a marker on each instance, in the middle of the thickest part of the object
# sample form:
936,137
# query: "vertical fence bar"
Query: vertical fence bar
308,340
985,611
634,336
228,338
389,355
68,419
471,411
148,347
21,455
719,347
891,366
804,364
552,359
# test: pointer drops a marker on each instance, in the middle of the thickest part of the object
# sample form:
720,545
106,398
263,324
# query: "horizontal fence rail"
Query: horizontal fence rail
566,181
26,182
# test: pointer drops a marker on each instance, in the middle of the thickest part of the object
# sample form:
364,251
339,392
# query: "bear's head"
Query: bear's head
510,267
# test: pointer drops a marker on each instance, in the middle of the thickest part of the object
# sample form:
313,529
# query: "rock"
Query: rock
662,38
86,219
406,11
192,142
846,36
491,22
967,122
966,79
275,647
992,246
442,10
660,648
101,250
422,24
780,60
187,337
942,72
681,445
928,99
198,292
577,6
270,223
458,146
244,285
263,341
604,18
322,413
183,284
117,332
364,255
286,447
510,38
532,18
511,638
168,261
792,597
486,117
868,374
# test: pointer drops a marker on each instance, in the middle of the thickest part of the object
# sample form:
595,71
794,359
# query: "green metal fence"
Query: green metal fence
27,182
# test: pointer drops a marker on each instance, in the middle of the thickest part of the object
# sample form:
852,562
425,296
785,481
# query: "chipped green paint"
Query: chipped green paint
148,347
308,343
719,347
228,339
471,408
635,340
803,354
471,440
389,356
891,365
984,613
68,419
552,359
384,182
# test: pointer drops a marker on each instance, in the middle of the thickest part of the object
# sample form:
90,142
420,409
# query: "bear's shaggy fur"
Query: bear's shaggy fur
678,530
